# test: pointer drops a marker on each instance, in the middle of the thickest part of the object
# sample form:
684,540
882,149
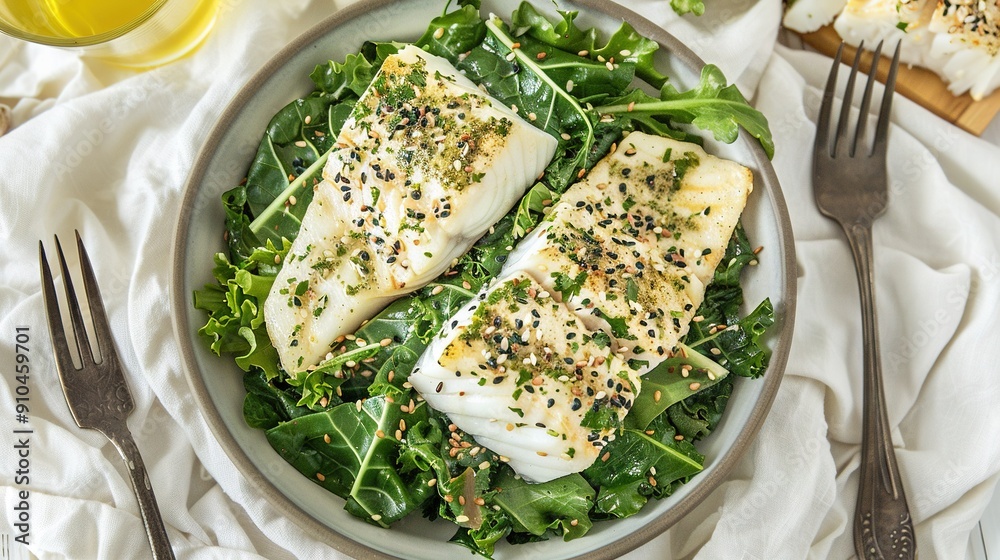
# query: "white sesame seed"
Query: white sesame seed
461,519
625,52
439,33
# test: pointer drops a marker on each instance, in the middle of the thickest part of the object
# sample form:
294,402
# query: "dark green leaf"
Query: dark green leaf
357,464
567,36
340,80
453,34
560,505
623,480
665,385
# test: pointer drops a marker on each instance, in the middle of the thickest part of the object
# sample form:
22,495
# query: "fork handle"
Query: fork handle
883,527
158,541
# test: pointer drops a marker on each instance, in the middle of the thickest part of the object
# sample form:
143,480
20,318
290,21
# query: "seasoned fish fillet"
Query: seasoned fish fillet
601,291
520,372
425,164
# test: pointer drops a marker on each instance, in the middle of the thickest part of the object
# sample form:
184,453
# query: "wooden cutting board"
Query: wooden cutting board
918,84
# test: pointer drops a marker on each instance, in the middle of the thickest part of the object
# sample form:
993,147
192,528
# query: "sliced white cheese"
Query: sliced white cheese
425,164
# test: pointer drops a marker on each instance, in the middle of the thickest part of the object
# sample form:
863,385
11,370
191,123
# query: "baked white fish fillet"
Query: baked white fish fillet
520,372
599,293
425,164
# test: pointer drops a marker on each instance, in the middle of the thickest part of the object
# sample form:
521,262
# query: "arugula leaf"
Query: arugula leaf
711,106
359,462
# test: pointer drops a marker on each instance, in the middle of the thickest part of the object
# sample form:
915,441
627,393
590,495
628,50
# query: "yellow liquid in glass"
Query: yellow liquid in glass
177,27
72,19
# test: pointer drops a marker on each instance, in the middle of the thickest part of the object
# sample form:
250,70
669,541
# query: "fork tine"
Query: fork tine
823,122
859,134
882,127
845,105
102,327
56,331
79,329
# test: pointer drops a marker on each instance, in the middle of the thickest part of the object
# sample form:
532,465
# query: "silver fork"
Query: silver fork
97,393
851,186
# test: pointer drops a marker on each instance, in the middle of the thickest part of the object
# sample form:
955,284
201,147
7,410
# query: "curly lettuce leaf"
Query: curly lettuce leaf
235,323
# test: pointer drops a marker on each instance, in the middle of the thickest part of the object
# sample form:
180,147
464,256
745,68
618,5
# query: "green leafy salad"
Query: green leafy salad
353,424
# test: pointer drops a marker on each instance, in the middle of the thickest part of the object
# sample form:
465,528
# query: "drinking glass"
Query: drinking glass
130,33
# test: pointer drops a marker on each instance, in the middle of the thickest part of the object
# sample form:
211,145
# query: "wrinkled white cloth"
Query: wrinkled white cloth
106,151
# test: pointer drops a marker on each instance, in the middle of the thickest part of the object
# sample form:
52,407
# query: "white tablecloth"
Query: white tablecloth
106,151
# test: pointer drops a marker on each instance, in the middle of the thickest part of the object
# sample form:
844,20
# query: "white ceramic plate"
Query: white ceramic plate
216,383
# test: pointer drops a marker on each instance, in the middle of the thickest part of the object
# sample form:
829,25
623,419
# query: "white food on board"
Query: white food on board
424,165
806,16
890,21
965,45
958,40
594,297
